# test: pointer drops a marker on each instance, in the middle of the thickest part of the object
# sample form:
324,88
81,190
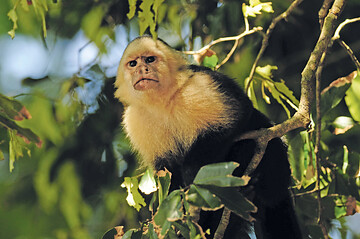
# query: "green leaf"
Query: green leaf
155,7
281,87
132,9
183,228
353,168
219,174
13,17
164,181
276,95
234,200
146,17
26,134
134,198
13,108
352,98
14,151
340,212
147,183
169,210
24,4
1,155
265,71
91,24
251,93
193,230
151,232
332,96
203,198
41,8
114,233
296,156
210,61
256,7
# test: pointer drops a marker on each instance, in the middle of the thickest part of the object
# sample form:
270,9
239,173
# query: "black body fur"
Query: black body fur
268,188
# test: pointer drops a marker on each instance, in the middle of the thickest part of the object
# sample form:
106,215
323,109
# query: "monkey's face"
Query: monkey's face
145,70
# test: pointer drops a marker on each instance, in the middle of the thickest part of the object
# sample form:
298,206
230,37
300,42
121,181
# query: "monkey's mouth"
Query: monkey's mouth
145,83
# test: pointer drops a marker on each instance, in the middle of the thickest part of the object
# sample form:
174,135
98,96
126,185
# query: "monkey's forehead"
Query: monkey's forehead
143,47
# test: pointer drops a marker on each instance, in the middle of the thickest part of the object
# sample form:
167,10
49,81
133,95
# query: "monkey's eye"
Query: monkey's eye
132,63
150,59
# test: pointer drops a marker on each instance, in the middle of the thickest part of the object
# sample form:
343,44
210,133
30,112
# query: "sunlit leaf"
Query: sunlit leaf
282,87
251,93
276,95
147,183
264,96
340,212
134,198
265,71
342,124
13,17
256,7
156,5
15,150
146,17
210,61
132,9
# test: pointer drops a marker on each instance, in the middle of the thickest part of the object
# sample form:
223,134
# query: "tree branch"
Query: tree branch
219,234
265,41
237,38
302,117
324,11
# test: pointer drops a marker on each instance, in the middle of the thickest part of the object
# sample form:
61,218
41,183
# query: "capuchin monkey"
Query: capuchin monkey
181,117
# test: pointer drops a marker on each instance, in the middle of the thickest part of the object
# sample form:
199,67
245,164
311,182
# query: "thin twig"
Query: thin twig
229,54
223,39
302,117
265,41
350,52
343,24
343,44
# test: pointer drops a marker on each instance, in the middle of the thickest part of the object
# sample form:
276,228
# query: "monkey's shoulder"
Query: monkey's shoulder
225,84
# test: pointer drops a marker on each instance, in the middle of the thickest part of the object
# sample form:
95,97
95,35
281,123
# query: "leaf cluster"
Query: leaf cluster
175,214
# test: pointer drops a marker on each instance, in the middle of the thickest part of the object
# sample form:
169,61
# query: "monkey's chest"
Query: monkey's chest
156,135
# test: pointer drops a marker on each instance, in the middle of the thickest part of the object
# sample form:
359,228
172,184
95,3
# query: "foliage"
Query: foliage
12,110
71,181
214,187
